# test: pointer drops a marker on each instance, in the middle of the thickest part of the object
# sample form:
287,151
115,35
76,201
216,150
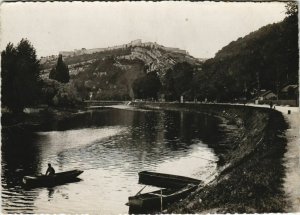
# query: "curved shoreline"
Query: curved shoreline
263,157
252,178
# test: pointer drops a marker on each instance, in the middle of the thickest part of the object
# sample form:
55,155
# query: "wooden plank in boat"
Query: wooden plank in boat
152,200
165,180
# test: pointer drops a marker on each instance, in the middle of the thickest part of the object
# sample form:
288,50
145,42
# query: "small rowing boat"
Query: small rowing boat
165,180
51,180
157,199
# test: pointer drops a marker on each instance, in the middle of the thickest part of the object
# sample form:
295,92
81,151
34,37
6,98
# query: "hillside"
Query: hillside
264,59
109,73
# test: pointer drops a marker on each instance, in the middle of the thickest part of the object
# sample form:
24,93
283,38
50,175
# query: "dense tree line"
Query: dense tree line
22,85
265,59
178,81
20,76
147,87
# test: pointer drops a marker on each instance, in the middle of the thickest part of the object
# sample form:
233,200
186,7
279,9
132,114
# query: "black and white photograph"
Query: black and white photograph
164,107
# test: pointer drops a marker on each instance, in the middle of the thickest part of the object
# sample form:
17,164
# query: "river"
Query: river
111,145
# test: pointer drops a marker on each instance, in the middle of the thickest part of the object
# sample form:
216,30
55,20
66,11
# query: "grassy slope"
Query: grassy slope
110,74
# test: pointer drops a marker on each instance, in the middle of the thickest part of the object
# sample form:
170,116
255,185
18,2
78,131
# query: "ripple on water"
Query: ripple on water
111,157
65,140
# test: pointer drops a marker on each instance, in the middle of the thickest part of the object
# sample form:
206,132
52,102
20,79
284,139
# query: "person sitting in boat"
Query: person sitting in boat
50,170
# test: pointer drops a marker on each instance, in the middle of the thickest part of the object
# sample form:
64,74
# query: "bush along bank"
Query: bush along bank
41,119
251,177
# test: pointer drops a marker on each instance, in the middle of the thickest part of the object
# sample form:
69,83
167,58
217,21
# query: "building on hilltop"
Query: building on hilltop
176,50
134,43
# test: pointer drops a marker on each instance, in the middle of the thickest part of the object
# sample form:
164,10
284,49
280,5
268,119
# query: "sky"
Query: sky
201,28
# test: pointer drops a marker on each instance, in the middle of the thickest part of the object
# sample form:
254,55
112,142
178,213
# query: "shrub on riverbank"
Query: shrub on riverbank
58,94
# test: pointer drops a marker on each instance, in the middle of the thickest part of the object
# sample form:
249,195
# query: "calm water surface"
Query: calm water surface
111,146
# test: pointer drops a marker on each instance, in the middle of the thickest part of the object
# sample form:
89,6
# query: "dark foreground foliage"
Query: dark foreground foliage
20,74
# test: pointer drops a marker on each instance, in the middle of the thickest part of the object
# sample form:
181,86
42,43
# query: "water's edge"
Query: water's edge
252,178
111,146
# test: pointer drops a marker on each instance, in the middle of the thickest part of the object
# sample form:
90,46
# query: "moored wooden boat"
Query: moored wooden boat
165,180
153,200
56,179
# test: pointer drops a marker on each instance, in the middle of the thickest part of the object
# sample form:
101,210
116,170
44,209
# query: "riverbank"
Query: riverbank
251,179
111,146
259,171
33,119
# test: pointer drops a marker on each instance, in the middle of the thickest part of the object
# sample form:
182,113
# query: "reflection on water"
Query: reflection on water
50,193
111,146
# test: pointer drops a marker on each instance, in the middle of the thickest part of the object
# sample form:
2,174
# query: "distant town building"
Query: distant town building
290,91
177,50
202,59
48,58
136,42
267,95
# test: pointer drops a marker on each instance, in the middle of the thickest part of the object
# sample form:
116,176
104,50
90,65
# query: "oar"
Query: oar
202,158
141,190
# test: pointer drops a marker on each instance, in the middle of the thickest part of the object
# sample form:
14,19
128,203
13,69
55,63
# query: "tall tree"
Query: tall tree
20,76
178,81
60,72
147,86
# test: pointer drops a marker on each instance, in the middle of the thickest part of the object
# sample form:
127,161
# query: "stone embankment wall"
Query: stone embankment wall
251,177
